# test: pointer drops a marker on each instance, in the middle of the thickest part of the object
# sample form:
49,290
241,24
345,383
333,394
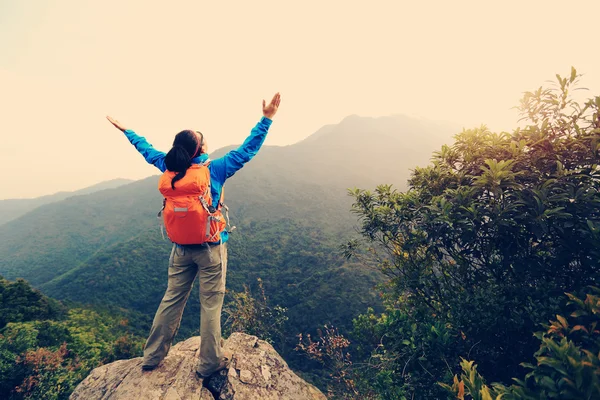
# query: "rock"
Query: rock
256,372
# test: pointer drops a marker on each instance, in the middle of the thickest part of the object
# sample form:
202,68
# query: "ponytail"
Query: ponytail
178,160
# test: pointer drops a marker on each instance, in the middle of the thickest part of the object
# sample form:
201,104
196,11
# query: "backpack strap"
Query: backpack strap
223,262
221,203
209,209
223,206
161,220
228,226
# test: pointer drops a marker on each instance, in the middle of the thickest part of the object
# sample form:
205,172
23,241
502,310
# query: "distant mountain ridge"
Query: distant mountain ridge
14,208
290,205
357,152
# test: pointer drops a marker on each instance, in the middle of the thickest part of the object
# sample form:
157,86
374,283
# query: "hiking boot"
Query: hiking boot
149,367
224,364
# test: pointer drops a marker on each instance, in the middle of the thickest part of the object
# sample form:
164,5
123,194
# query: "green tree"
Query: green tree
45,350
488,237
20,302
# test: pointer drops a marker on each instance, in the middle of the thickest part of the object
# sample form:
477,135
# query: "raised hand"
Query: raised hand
116,123
270,110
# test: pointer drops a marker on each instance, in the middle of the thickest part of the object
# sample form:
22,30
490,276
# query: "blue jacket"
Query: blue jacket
220,169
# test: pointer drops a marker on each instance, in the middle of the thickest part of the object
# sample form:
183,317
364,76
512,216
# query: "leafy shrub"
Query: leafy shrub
42,357
254,316
330,350
484,243
568,361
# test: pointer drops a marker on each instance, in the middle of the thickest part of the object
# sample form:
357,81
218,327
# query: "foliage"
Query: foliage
488,237
254,316
45,355
330,349
568,361
48,374
19,303
402,353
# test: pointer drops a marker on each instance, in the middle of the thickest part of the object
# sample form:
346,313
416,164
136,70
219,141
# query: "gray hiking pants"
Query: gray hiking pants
185,263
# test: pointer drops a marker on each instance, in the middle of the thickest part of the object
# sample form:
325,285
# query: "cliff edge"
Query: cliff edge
257,371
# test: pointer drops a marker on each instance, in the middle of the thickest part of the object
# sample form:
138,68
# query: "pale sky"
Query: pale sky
160,67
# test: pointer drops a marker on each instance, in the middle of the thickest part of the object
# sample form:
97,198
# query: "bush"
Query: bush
254,316
568,361
485,242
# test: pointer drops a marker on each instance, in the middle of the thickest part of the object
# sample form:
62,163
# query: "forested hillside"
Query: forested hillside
291,209
13,208
47,348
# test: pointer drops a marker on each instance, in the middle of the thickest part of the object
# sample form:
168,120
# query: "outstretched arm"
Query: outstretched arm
233,161
152,156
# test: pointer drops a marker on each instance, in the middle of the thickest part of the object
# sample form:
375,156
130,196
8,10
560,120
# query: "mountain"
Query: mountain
290,206
303,182
13,208
357,152
56,237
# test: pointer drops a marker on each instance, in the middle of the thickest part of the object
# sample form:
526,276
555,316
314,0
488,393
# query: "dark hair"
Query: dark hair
186,146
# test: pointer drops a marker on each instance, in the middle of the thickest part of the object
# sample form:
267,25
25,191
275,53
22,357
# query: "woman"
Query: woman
188,261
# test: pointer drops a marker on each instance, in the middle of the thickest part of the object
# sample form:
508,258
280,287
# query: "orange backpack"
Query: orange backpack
188,214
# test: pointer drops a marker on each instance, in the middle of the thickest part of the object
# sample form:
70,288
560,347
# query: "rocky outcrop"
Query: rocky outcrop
256,372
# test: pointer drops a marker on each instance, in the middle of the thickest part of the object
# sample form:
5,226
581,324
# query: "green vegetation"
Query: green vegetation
68,232
255,316
19,303
481,248
303,281
567,362
46,349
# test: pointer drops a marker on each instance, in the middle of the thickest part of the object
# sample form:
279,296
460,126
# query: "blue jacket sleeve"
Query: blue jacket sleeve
152,156
224,167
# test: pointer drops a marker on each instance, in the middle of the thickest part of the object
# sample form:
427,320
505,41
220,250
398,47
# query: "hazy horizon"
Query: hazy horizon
159,69
152,171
